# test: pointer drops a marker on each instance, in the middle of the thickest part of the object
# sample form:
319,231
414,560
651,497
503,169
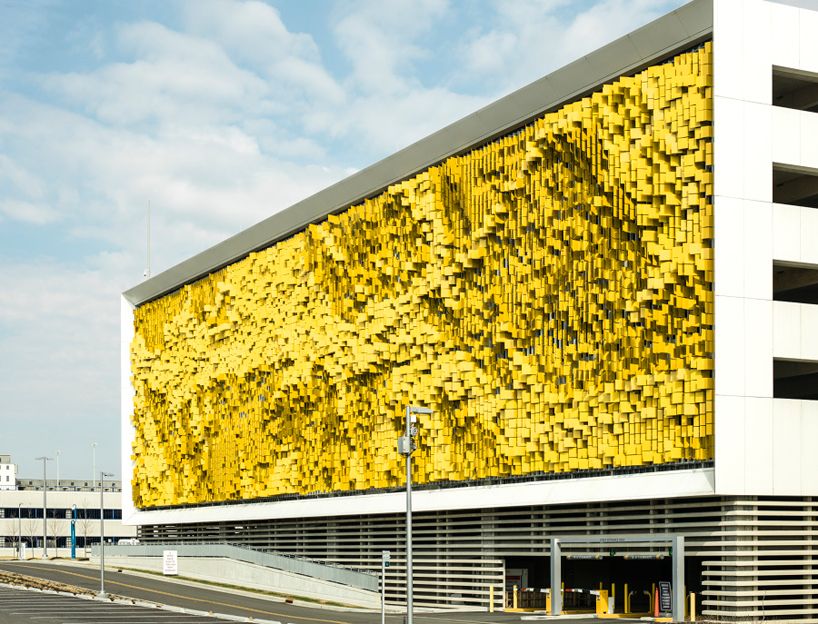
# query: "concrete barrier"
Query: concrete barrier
232,565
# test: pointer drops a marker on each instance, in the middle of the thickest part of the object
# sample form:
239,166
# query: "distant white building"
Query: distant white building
21,519
21,513
8,473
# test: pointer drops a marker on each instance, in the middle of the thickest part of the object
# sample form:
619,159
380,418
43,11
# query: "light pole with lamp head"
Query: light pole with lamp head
45,506
406,445
102,476
58,468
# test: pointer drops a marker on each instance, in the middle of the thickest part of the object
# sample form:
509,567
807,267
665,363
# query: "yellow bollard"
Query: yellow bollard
692,607
491,598
652,596
514,598
626,602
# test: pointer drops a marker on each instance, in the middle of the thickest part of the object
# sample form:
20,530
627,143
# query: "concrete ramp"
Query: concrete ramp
254,569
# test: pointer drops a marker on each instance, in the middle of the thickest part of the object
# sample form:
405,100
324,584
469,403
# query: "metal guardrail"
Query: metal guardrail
287,563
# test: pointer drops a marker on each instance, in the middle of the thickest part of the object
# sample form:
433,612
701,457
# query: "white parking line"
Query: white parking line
101,616
171,617
50,615
47,606
177,619
43,598
80,609
77,610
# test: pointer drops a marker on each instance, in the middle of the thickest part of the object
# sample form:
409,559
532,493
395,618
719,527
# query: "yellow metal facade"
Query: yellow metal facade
548,294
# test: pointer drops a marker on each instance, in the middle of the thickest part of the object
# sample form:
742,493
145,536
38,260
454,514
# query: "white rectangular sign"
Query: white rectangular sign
170,562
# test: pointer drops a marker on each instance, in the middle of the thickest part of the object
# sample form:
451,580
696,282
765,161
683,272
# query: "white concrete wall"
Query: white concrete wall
8,476
760,440
641,486
37,553
230,572
126,396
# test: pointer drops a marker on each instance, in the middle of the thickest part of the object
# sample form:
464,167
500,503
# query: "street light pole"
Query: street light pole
19,530
58,469
406,445
102,476
45,507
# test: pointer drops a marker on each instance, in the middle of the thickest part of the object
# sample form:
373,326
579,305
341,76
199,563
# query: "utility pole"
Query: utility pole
148,241
102,476
45,506
406,445
93,464
20,530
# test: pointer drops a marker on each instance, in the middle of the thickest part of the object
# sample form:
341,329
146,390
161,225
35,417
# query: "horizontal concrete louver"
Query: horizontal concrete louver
756,559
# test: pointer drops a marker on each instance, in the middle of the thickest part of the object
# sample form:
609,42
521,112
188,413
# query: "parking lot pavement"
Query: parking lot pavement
28,606
23,606
224,601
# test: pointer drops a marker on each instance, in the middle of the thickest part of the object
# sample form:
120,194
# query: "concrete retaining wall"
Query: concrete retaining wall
240,573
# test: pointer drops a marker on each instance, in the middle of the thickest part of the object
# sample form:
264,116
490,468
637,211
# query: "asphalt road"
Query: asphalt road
20,606
216,601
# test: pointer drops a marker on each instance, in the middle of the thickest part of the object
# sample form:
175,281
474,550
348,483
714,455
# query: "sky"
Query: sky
219,113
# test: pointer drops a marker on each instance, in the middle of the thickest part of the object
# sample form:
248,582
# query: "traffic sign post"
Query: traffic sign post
385,557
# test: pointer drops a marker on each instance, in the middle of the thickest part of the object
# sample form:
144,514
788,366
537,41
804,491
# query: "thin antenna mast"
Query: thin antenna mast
148,237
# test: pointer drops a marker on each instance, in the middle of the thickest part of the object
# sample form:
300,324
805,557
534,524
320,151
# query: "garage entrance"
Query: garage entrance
677,565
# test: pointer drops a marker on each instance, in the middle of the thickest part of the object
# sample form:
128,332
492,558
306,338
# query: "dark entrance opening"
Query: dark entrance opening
795,379
532,577
795,185
796,283
795,89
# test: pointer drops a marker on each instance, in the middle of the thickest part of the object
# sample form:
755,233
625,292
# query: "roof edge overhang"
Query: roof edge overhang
681,29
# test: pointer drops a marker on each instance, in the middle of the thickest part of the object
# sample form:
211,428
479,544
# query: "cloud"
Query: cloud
220,115
521,41
28,212
382,46
391,100
253,34
59,373
172,77
205,182
388,122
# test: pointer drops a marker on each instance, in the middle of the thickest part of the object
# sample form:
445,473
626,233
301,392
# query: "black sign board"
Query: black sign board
664,597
